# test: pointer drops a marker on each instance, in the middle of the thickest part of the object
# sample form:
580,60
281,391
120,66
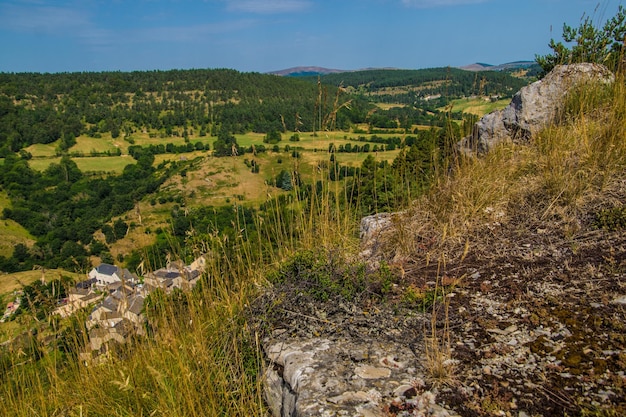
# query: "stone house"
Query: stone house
106,274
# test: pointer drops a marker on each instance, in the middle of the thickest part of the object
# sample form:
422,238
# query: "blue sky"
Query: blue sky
266,35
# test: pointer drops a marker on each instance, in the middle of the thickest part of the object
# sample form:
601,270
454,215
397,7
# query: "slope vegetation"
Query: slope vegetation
528,243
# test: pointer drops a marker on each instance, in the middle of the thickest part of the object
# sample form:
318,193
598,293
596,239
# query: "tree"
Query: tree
67,141
284,180
600,45
120,228
20,252
226,144
272,137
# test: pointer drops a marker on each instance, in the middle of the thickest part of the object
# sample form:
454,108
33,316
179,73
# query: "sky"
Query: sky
269,35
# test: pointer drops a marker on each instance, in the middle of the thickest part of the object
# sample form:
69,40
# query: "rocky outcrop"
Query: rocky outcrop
343,377
372,226
533,107
371,230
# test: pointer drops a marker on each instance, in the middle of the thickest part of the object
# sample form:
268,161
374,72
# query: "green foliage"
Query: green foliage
422,300
42,108
320,276
603,45
284,180
272,137
226,144
611,219
62,205
324,275
385,278
448,82
39,299
120,228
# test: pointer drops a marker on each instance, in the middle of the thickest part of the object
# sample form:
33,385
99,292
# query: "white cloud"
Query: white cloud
268,6
50,20
428,4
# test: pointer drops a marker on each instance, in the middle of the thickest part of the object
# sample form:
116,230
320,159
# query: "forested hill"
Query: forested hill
448,82
42,108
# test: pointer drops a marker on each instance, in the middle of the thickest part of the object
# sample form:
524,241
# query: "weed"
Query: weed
611,219
321,276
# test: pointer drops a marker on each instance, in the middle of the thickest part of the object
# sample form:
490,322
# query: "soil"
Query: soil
534,316
536,324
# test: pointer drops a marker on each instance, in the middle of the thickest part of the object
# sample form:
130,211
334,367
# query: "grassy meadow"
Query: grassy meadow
479,105
15,281
12,233
207,181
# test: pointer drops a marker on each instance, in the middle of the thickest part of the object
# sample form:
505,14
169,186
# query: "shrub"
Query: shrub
591,44
611,219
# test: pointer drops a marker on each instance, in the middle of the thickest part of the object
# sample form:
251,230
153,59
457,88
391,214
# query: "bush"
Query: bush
326,275
611,219
320,276
600,45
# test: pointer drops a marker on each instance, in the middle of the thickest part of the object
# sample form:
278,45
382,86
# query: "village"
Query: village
118,297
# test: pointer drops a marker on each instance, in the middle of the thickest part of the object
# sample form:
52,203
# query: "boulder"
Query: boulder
533,108
372,229
340,377
372,226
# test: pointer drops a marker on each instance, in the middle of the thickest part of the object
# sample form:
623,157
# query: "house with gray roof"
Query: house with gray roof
106,274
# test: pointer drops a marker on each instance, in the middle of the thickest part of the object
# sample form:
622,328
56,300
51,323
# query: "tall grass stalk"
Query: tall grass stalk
199,357
438,359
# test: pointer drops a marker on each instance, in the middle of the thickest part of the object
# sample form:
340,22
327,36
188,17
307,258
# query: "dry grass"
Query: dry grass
549,178
15,281
438,351
553,178
200,359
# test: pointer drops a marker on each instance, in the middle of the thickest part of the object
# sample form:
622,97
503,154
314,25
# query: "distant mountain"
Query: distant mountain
305,71
479,66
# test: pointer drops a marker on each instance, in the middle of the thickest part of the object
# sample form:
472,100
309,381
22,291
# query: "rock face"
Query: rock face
371,229
341,377
533,107
373,225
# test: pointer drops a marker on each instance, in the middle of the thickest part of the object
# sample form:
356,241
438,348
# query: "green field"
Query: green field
12,233
114,164
12,282
87,145
39,150
44,155
108,164
478,106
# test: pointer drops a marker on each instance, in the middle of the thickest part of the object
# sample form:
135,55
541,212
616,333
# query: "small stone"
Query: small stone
487,370
358,356
391,362
372,372
349,397
511,329
401,390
